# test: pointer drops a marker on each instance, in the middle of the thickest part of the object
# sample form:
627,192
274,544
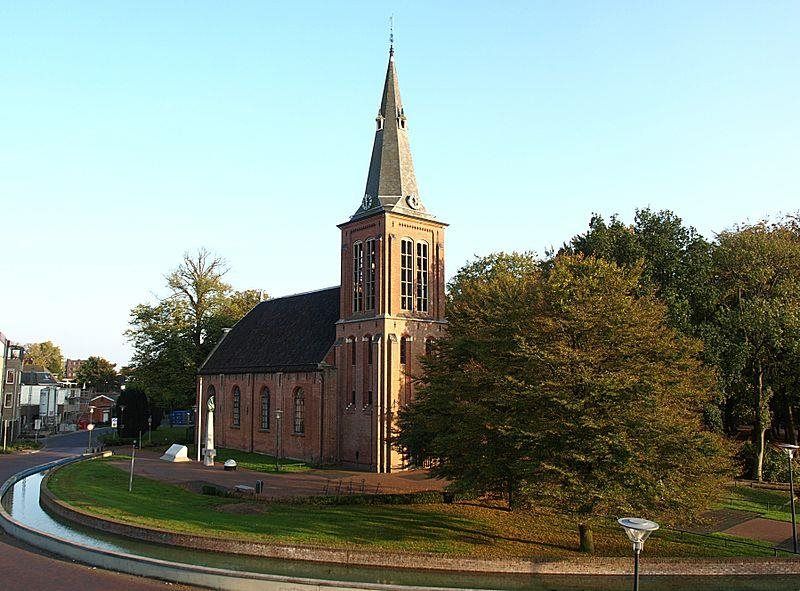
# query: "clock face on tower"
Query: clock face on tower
413,201
366,203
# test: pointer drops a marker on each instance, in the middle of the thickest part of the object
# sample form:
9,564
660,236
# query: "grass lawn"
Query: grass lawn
259,462
461,529
772,504
166,436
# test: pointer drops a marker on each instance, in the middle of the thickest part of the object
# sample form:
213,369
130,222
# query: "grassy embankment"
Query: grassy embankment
771,504
21,445
461,529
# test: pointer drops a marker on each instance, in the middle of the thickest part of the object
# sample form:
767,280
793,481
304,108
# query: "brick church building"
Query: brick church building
319,376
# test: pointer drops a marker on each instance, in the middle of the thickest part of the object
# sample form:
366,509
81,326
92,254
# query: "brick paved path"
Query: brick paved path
286,484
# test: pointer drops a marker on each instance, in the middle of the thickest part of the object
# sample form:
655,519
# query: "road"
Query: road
23,568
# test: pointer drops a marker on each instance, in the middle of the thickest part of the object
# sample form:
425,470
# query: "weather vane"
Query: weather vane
391,34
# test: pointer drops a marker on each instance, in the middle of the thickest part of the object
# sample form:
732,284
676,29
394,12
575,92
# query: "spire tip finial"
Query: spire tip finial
391,36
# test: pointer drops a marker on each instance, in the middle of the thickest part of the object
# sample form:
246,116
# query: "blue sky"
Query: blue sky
131,132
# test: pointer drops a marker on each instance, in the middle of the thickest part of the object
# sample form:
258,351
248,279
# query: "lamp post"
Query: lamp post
637,530
90,426
121,413
790,449
278,417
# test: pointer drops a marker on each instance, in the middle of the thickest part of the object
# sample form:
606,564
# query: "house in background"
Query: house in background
103,407
71,368
10,389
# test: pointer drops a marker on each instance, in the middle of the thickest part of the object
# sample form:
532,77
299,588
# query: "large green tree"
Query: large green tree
173,336
47,355
99,374
756,335
569,388
675,258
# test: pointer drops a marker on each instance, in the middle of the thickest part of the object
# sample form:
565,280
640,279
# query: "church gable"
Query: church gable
288,334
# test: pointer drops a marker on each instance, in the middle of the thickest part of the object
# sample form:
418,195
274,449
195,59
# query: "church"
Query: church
320,376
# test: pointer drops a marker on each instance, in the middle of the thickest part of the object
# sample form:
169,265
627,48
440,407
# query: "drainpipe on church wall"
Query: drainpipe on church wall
198,421
252,409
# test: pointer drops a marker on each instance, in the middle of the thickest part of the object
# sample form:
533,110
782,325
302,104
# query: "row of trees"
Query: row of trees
602,379
739,294
173,336
95,372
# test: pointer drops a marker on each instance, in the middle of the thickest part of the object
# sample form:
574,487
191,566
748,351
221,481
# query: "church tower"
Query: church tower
392,294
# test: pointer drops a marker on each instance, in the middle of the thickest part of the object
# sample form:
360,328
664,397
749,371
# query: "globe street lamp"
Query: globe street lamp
790,449
637,530
90,426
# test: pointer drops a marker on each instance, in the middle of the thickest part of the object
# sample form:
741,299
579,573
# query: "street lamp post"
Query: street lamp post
90,426
790,449
278,417
637,530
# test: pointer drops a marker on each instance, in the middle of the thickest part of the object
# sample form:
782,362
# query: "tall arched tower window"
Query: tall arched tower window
422,277
299,411
407,274
236,407
371,262
265,408
358,277
403,350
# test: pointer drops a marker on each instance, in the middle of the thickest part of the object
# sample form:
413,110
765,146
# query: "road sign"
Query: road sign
37,424
90,426
114,422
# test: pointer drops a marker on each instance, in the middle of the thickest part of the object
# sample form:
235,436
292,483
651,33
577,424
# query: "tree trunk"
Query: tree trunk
790,426
586,538
758,427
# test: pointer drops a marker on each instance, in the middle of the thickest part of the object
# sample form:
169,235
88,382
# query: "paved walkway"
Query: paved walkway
759,528
285,484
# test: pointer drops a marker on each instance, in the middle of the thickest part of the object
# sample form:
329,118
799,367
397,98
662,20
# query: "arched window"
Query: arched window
403,350
371,262
407,274
211,392
299,411
353,351
428,345
265,408
368,349
358,277
236,415
422,277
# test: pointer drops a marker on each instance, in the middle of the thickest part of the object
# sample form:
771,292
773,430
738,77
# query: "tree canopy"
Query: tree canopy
756,328
569,387
173,336
47,355
99,374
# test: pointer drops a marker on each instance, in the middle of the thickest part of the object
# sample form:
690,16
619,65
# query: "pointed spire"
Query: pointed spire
391,182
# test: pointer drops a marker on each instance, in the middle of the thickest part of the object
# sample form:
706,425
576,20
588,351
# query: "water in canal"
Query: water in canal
22,502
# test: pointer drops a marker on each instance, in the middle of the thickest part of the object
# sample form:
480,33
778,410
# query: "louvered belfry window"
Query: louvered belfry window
371,261
407,274
422,277
358,277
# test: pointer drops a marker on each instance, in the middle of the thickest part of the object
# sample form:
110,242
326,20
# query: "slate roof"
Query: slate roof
293,333
391,182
